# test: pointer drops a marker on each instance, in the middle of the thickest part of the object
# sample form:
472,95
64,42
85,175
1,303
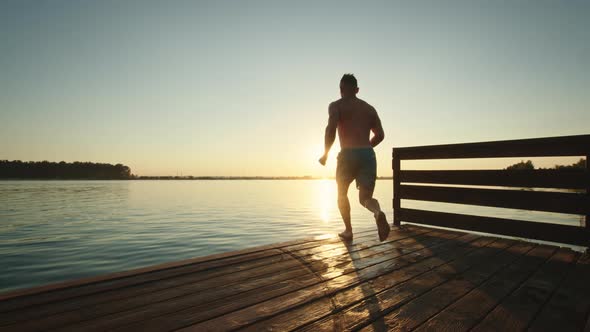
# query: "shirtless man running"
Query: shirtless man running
355,119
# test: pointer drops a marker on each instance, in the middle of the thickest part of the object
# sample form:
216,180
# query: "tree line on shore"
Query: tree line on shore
528,165
17,169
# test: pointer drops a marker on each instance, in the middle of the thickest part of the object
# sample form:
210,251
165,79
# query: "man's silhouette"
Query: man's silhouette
355,119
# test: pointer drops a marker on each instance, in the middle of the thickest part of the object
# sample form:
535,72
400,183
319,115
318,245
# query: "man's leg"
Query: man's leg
366,181
366,199
345,173
344,207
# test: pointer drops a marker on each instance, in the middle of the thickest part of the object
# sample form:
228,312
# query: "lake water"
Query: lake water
53,231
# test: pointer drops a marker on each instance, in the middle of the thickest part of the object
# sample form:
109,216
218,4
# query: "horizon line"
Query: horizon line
189,177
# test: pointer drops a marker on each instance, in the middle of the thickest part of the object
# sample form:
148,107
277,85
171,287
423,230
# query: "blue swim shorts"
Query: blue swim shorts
357,164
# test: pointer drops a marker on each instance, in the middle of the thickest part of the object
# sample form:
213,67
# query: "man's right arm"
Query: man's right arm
330,134
377,129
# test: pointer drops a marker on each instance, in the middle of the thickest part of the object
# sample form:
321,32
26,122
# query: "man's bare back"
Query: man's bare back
355,121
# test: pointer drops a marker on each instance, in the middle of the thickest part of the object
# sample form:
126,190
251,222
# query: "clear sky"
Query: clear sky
243,87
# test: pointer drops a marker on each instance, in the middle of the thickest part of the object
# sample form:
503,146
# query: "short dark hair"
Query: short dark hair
349,79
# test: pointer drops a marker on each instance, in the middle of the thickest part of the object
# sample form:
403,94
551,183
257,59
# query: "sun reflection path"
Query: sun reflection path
326,199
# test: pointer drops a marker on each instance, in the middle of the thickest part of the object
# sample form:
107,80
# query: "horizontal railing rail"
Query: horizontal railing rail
533,147
564,179
433,186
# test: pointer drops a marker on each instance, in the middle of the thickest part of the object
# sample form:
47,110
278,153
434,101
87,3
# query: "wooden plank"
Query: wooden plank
20,299
254,314
415,312
470,309
35,292
354,315
204,305
204,271
352,306
288,267
517,310
396,189
330,305
547,178
258,294
577,145
570,304
573,203
525,229
347,275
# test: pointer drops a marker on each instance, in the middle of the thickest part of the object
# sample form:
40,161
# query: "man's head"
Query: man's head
348,86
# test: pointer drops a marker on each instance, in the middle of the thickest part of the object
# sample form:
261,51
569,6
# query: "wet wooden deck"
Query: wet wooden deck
418,279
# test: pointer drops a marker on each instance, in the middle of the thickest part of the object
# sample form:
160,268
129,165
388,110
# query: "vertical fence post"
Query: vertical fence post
587,219
395,165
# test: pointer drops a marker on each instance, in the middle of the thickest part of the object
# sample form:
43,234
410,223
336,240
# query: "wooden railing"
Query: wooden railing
573,202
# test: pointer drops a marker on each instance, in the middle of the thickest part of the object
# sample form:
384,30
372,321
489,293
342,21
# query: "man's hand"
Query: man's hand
323,159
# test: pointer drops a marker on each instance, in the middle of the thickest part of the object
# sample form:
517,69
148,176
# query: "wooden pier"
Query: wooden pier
418,279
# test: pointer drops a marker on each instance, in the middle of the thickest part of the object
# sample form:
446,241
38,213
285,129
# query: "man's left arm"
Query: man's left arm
377,129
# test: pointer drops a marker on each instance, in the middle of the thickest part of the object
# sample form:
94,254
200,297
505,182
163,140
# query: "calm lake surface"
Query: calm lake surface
53,231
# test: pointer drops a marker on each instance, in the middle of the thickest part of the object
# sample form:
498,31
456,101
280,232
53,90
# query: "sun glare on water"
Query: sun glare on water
326,198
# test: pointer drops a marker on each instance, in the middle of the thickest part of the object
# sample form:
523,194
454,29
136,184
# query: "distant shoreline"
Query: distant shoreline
190,178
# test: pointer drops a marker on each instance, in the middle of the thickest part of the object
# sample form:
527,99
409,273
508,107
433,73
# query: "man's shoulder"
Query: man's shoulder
333,107
365,104
336,103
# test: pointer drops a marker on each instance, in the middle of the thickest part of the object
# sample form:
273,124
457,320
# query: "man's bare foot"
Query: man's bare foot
382,226
346,235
